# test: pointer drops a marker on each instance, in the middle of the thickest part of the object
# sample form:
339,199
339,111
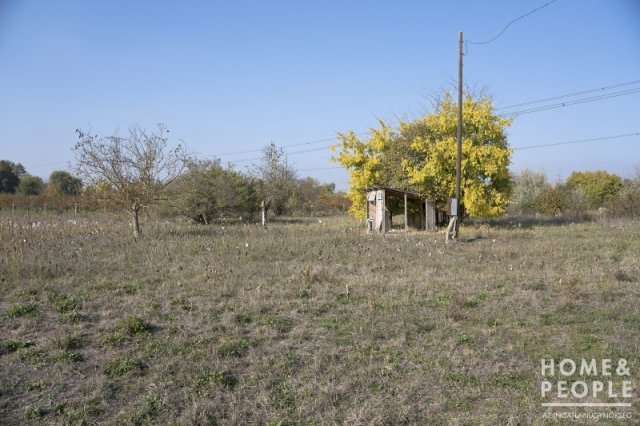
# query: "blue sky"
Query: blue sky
235,76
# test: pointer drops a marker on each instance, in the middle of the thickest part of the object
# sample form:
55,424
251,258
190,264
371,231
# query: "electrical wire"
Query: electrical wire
626,135
568,95
512,22
574,102
320,168
312,142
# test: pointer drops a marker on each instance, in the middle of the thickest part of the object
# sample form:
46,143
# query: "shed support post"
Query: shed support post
366,209
406,216
430,216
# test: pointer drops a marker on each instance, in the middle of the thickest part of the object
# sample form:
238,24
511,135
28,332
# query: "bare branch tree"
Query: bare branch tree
276,180
131,173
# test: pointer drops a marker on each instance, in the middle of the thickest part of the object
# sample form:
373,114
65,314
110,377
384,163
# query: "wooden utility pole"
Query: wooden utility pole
458,212
454,222
459,156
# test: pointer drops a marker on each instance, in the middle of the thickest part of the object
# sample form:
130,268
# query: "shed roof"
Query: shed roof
396,192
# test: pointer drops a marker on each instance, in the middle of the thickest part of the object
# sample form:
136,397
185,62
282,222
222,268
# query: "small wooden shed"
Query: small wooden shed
419,213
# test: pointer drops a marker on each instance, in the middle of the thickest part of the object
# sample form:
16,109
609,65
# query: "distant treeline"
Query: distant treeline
582,195
205,192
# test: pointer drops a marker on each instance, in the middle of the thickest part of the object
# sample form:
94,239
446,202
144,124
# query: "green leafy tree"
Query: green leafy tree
421,156
136,169
208,191
63,183
8,178
30,185
311,196
597,187
551,201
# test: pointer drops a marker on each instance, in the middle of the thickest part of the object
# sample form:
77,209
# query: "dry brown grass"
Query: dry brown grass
303,323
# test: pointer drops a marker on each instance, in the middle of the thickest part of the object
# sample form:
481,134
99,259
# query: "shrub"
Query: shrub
528,187
626,203
551,201
208,191
597,187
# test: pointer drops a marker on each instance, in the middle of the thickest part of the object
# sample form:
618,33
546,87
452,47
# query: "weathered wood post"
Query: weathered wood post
366,209
406,216
263,207
430,215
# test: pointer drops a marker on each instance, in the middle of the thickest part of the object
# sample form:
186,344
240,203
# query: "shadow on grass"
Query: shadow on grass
525,222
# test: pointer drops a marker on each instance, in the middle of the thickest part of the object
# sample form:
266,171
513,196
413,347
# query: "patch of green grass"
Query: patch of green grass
513,380
182,303
212,377
124,366
113,338
37,386
34,413
568,313
84,413
235,347
243,318
67,356
73,317
31,355
282,398
13,345
279,323
29,309
129,289
64,304
133,325
70,342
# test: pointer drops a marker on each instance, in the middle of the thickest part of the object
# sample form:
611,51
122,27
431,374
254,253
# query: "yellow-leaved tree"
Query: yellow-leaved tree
421,156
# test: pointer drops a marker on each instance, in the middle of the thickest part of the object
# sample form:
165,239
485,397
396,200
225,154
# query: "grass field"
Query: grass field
306,322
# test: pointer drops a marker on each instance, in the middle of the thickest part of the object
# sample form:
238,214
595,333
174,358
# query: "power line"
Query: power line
245,160
626,135
320,168
283,146
568,95
507,114
575,102
512,22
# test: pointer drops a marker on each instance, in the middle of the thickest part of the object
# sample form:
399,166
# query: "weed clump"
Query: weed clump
133,325
124,366
68,356
73,317
213,377
233,347
64,304
22,310
14,345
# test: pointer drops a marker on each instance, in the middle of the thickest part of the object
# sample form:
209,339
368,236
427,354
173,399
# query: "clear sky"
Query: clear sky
234,76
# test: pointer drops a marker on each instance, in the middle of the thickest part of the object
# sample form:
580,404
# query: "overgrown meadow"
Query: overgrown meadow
307,322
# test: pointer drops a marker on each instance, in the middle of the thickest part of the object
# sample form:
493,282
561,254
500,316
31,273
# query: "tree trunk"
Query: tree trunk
136,222
263,206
